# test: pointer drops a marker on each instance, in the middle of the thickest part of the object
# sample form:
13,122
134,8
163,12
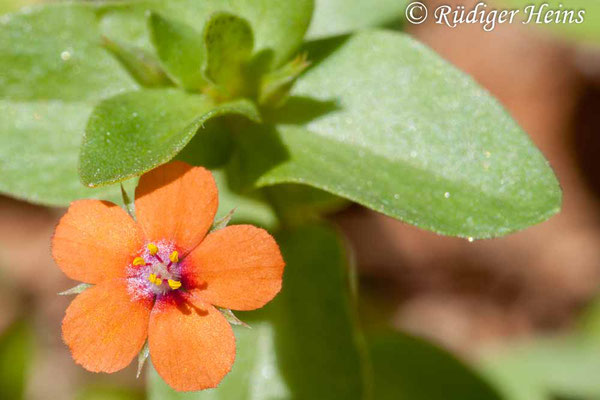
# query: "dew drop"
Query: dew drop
396,196
470,239
65,55
447,195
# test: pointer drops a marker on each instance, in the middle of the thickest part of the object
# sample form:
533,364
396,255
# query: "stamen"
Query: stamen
174,284
174,257
139,261
152,248
158,282
152,278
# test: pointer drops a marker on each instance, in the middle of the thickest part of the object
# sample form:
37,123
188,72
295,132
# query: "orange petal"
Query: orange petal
191,344
176,202
95,241
240,267
105,328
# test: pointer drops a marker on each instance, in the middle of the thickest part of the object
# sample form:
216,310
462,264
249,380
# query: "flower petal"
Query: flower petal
105,328
191,343
239,267
176,202
95,241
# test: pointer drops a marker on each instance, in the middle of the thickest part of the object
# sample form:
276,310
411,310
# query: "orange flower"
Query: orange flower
161,277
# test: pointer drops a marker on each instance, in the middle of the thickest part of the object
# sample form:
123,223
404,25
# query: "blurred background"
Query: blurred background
521,309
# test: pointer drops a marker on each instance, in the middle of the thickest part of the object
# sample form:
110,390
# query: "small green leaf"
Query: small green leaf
276,85
231,318
180,49
141,359
385,122
134,132
229,43
223,222
82,287
338,17
141,64
16,345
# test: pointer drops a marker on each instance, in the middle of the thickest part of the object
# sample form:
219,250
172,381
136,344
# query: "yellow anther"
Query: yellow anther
152,278
152,248
174,257
174,284
139,261
158,282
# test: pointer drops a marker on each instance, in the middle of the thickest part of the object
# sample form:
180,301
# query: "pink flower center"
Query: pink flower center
156,270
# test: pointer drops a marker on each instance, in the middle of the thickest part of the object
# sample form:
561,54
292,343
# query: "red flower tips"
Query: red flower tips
161,278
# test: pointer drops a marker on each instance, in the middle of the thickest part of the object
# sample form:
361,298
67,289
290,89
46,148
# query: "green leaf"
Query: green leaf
53,69
82,287
338,17
229,43
142,65
134,132
40,147
55,53
16,344
304,344
405,367
181,50
395,128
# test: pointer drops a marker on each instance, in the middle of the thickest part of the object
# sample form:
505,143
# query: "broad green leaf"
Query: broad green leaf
16,345
229,43
338,17
55,52
304,344
181,49
395,128
587,30
278,25
315,318
134,132
39,152
409,368
53,69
